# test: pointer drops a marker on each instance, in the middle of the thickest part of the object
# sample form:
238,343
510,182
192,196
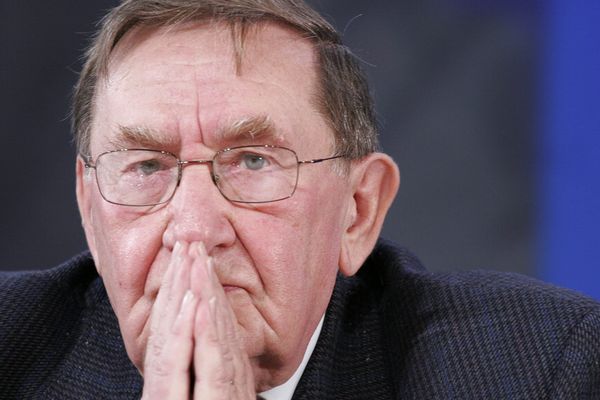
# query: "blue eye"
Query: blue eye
149,167
253,162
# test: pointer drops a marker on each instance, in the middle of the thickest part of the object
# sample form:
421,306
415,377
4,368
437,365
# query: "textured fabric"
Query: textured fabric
59,338
394,331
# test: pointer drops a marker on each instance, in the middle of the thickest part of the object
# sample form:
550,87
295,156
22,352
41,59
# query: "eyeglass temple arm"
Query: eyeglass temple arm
318,160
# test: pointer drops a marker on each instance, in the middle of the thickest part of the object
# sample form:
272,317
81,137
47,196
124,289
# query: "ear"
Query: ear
374,180
84,190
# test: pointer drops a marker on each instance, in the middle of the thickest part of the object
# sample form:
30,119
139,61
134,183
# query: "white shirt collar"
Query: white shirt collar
285,391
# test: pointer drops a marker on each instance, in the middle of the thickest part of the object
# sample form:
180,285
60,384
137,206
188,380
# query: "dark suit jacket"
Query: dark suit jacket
394,331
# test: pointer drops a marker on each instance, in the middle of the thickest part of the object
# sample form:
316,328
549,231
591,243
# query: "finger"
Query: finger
222,367
175,272
167,279
168,375
170,346
167,303
179,287
213,375
229,339
199,274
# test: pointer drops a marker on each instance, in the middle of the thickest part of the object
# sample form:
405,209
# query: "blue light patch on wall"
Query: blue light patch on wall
570,145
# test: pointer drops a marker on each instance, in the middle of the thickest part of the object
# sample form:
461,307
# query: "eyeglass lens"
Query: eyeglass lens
252,174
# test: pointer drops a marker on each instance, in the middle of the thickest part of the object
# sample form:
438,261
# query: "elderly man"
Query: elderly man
232,198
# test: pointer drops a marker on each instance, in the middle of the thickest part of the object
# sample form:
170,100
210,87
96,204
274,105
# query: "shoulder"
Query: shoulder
486,328
34,304
40,320
67,282
405,281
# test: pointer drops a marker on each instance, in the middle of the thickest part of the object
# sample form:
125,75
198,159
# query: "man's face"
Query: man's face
277,261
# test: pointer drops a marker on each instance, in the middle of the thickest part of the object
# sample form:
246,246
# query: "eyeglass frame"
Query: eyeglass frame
89,163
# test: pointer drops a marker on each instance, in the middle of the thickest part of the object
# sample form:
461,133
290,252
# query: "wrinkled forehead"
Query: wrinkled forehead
269,62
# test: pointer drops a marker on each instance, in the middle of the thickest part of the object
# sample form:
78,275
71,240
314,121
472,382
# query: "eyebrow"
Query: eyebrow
144,137
253,128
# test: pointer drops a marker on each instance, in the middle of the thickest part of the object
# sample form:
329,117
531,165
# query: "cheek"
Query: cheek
297,253
127,245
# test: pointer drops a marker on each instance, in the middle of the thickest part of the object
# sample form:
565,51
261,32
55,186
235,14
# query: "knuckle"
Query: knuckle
216,379
222,376
161,369
157,344
227,354
212,338
170,297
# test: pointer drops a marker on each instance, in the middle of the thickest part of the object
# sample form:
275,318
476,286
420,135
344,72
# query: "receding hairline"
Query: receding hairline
343,97
240,32
242,128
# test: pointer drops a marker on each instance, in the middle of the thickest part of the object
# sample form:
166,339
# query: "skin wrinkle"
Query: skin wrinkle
262,298
252,263
197,107
252,129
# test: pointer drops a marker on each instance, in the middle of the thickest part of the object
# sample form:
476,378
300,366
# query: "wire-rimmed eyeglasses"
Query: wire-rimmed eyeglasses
244,174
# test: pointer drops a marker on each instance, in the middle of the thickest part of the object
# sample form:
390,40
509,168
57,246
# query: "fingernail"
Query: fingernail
187,299
212,304
201,248
183,310
210,267
191,250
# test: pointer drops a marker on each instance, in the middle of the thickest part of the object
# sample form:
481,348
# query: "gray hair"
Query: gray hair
343,96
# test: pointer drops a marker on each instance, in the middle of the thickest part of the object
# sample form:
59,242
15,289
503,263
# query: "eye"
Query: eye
253,162
147,167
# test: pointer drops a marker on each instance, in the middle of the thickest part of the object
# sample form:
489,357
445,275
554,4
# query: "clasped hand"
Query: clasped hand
194,350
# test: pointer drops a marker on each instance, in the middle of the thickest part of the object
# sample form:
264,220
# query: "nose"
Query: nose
198,211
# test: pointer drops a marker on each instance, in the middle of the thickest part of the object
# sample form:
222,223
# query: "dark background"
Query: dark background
454,83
